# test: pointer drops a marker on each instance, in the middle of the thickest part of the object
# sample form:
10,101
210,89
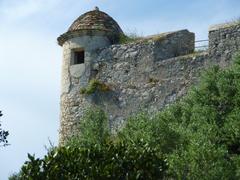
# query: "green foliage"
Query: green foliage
209,120
108,161
93,86
93,129
3,135
154,131
198,137
15,176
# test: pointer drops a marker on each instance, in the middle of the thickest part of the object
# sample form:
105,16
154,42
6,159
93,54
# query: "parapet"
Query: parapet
173,44
168,45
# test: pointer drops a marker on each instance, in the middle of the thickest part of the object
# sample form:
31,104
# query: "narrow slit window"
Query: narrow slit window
78,57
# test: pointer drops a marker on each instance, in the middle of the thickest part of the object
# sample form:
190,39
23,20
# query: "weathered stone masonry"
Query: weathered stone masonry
224,42
148,74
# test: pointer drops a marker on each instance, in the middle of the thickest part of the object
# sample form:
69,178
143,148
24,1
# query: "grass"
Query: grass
227,24
129,38
133,37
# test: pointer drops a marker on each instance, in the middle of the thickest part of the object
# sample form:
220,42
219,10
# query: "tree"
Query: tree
3,135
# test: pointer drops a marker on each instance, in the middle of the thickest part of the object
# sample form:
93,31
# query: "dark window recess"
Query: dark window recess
78,57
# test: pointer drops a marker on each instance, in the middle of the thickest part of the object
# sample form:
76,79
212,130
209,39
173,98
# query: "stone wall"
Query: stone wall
144,75
138,81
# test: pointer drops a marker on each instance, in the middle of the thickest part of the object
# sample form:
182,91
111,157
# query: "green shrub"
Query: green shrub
93,86
209,117
154,131
93,129
109,161
130,37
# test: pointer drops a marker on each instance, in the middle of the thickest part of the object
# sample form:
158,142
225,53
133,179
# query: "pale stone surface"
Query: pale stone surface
77,70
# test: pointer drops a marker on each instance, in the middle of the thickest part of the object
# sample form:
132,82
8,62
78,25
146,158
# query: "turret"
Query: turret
88,33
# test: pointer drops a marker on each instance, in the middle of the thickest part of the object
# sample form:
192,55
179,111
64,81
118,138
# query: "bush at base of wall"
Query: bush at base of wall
110,161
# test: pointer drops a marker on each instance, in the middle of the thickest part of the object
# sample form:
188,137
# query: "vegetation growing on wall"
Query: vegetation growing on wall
133,37
198,137
129,38
93,86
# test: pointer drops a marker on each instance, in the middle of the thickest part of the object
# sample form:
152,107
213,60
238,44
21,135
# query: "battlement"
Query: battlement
170,44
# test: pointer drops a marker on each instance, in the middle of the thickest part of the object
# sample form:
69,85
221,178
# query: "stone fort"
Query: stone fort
147,74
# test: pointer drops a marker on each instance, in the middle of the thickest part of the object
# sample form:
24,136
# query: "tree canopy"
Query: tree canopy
3,134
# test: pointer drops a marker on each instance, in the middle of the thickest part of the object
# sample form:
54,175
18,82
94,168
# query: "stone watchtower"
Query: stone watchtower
89,32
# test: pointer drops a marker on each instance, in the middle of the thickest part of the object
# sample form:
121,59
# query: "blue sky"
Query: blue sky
30,59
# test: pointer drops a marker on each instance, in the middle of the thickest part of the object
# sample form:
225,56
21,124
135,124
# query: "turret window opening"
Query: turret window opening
78,57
